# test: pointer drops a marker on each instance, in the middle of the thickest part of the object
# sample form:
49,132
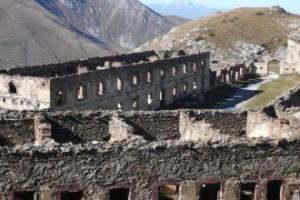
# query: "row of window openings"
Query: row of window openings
150,99
114,194
81,93
170,191
213,191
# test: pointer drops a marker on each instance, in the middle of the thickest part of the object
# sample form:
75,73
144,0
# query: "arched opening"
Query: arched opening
274,66
12,88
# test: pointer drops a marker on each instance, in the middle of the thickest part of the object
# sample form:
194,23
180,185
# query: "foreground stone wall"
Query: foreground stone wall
95,170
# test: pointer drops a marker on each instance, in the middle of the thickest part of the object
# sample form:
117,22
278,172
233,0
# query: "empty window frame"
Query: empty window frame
59,98
247,191
26,195
81,93
174,71
210,191
149,77
274,190
101,88
162,73
119,107
168,192
195,67
135,80
184,69
119,194
12,88
185,86
195,86
71,195
150,99
119,84
135,104
174,91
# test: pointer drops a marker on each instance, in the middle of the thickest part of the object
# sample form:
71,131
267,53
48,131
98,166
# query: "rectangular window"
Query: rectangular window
119,84
174,71
149,77
81,93
101,89
135,80
28,195
274,190
119,194
184,69
71,196
247,191
210,191
168,191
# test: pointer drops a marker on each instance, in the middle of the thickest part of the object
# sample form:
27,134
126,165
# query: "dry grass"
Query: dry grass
253,25
272,90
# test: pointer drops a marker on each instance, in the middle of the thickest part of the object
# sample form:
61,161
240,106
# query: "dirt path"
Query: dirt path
244,94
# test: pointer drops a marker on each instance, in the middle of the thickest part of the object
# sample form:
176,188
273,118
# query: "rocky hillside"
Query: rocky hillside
29,36
126,23
45,31
236,35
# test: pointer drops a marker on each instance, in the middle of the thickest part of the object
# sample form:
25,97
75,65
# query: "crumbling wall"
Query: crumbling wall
16,132
24,93
78,128
211,125
145,86
96,169
71,67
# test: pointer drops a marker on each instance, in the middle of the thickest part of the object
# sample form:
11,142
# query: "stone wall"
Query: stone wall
95,171
82,127
16,132
62,69
24,93
144,86
292,62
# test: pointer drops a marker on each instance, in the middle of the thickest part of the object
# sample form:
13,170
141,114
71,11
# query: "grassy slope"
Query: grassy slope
272,90
253,25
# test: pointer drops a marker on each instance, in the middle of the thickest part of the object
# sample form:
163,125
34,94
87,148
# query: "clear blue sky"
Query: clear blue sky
290,5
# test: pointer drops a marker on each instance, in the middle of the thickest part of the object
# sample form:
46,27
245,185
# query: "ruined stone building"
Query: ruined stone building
153,155
138,81
292,62
57,151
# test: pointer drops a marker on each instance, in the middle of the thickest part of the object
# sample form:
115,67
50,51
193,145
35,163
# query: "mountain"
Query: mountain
183,8
237,35
36,32
127,23
29,35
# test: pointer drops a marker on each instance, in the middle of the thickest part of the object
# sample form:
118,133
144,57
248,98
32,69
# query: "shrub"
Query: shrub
260,13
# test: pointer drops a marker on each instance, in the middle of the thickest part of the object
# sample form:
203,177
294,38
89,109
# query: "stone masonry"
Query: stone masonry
155,155
138,81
